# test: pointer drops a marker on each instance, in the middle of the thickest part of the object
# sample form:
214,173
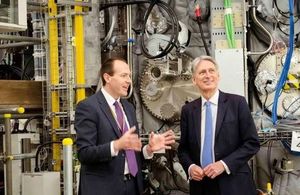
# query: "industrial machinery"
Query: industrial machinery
51,52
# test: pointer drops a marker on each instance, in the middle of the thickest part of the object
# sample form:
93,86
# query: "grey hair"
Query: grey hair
199,59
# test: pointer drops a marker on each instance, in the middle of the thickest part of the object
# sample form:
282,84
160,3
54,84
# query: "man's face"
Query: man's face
120,81
206,77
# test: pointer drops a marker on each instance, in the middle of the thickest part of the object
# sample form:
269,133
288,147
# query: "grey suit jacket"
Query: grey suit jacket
236,141
96,127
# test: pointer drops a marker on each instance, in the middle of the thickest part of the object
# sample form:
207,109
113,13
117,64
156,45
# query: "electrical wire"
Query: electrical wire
293,111
24,71
174,33
123,3
199,22
30,119
37,168
284,14
162,6
274,5
12,72
269,152
286,65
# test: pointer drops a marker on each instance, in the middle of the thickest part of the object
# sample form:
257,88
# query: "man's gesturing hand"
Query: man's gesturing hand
128,141
161,141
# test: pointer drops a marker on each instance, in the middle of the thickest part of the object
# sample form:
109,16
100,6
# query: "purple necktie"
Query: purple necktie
130,155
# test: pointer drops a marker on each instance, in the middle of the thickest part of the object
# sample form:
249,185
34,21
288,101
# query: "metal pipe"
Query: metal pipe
38,4
26,148
20,44
68,166
17,156
13,110
8,162
253,10
129,46
21,38
245,51
22,116
74,3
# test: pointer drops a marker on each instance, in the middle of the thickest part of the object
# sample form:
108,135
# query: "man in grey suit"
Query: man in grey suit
218,137
108,142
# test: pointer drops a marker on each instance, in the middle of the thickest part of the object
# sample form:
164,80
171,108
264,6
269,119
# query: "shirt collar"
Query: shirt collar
110,100
214,99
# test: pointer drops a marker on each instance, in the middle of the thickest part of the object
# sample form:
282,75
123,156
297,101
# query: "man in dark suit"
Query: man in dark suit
107,137
218,137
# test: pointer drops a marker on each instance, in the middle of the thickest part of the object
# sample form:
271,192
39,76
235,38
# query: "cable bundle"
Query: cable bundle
228,21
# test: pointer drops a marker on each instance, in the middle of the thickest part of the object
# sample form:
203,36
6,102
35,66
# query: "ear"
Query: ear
194,80
106,77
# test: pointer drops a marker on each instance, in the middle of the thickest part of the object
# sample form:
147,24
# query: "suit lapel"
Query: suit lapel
197,119
222,107
108,113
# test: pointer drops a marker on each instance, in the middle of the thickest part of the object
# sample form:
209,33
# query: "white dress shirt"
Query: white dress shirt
110,100
214,110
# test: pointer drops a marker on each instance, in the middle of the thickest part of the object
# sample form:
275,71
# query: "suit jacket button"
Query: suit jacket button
123,154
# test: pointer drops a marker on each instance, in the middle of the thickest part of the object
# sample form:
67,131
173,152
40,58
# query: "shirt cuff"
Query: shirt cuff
112,149
226,167
145,153
189,169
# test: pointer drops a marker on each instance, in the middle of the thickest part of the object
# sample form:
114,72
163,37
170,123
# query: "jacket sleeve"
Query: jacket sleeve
248,143
88,146
183,148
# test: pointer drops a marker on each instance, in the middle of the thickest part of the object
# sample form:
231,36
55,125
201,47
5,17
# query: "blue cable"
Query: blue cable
286,65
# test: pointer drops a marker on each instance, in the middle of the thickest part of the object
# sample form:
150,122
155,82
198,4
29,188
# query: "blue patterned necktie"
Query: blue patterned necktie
130,155
207,155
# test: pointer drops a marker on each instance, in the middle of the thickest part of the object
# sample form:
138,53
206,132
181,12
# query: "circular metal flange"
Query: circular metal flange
163,90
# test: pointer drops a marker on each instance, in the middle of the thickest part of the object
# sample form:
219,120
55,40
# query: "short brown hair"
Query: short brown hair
108,67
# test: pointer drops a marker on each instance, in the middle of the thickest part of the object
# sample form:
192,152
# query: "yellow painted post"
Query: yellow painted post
79,52
54,78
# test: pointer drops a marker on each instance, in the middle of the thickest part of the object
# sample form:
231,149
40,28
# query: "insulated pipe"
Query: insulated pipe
68,166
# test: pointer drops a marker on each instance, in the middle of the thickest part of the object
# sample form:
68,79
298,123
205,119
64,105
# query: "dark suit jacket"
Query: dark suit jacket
236,141
96,127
